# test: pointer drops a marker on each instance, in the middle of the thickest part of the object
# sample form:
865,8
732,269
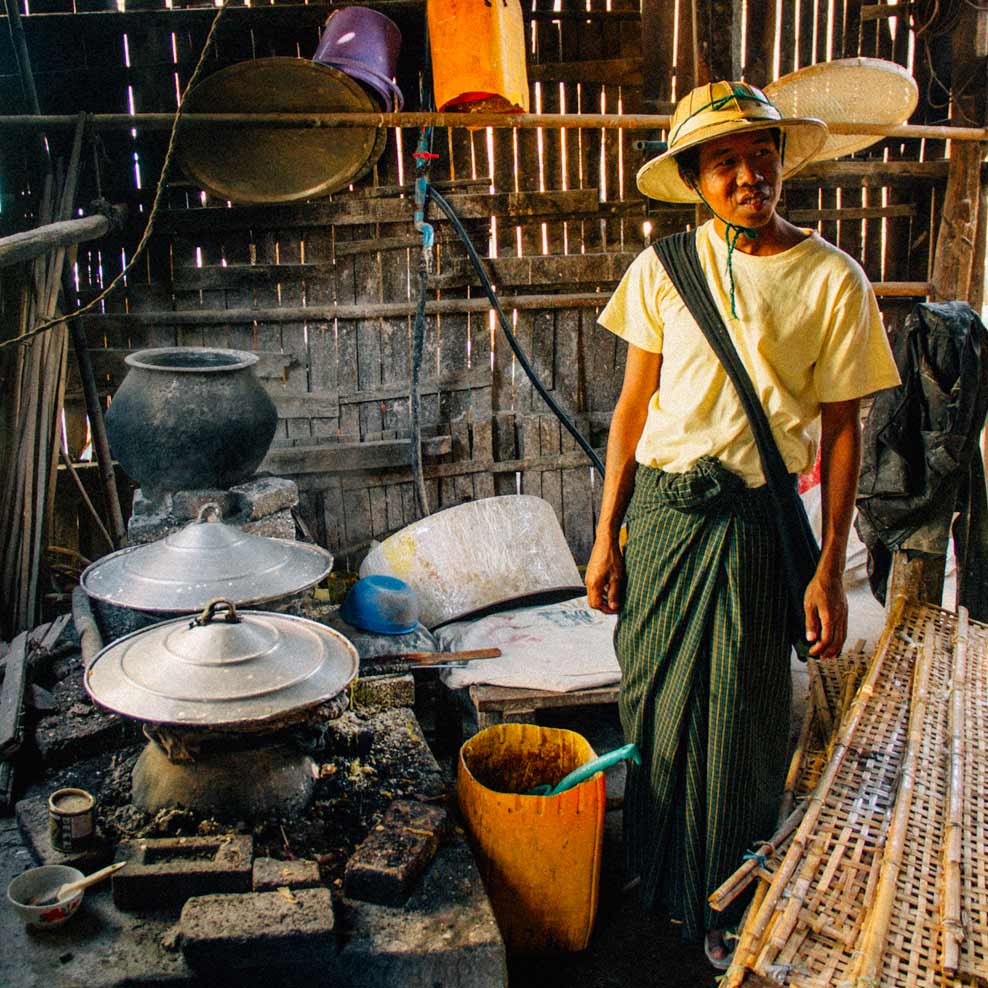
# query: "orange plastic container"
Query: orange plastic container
539,855
478,55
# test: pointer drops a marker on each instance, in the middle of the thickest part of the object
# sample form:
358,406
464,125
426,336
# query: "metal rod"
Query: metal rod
517,121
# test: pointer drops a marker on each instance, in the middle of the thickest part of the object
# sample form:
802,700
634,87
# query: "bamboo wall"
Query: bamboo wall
324,291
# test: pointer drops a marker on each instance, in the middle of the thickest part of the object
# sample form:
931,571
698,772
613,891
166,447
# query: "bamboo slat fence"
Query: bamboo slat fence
325,291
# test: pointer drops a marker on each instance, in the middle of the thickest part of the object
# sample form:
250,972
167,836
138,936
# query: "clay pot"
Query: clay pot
187,418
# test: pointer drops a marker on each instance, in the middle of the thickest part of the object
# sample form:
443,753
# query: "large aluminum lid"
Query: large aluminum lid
182,572
222,669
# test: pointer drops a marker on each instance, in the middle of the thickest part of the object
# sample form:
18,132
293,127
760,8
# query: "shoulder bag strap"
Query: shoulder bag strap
681,261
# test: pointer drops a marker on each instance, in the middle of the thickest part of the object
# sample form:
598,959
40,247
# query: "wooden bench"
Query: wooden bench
480,706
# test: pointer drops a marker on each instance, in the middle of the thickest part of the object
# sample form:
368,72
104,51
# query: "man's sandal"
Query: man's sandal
719,963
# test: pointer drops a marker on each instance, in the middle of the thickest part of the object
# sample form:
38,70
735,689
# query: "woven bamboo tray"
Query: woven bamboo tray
806,929
885,881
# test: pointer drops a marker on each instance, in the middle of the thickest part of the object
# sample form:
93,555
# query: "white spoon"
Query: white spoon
63,891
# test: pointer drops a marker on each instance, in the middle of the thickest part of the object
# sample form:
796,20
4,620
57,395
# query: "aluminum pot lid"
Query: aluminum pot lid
204,560
224,668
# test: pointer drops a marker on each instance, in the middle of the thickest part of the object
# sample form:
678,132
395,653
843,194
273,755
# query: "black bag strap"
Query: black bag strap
679,257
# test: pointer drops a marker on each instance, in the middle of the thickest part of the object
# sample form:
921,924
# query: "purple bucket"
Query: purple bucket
364,44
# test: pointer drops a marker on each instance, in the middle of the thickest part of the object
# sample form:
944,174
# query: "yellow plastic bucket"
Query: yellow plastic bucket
539,855
478,55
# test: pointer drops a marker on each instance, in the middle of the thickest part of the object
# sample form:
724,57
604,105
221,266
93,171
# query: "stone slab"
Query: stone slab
269,874
445,934
79,729
263,496
348,734
266,929
166,872
384,692
386,866
280,525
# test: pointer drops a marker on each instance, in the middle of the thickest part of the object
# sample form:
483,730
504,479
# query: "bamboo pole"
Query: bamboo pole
387,310
734,885
951,918
786,921
33,243
796,765
873,940
469,121
755,930
821,701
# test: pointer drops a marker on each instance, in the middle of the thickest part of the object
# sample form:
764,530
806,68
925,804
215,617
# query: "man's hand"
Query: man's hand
605,575
825,605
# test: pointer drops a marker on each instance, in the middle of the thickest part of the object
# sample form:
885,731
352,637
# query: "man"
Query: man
703,629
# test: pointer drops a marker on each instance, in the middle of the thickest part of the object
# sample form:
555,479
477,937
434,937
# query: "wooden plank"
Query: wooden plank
359,212
334,458
549,450
577,518
15,682
658,30
612,71
312,404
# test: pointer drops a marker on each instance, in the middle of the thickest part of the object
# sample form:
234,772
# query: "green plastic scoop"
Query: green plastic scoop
588,769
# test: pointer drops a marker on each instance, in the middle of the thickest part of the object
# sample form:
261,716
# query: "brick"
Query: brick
386,866
280,525
164,873
271,874
349,735
385,692
144,505
263,496
260,929
186,505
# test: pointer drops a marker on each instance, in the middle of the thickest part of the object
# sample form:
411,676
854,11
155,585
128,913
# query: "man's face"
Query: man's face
740,176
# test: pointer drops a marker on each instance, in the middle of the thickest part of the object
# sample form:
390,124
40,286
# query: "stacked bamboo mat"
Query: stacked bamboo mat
879,875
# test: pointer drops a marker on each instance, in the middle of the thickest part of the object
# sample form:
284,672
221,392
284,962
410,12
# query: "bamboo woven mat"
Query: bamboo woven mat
974,831
807,927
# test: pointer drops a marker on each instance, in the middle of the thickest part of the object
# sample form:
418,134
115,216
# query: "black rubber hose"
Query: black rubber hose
506,327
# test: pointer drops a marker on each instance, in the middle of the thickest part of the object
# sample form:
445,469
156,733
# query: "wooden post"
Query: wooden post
957,243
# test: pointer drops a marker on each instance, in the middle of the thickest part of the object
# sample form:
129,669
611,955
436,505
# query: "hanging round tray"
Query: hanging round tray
256,165
847,90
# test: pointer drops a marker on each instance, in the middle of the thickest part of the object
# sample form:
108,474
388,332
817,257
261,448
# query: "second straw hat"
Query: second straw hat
720,109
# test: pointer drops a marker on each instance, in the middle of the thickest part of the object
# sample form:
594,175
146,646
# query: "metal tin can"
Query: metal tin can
71,819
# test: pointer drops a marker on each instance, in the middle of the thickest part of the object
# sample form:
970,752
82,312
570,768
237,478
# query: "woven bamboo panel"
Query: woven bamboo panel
860,897
911,949
831,868
974,860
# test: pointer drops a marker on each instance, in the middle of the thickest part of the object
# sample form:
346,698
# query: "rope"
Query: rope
45,327
733,234
755,856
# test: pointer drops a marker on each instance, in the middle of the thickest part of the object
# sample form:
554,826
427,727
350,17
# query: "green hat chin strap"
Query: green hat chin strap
734,232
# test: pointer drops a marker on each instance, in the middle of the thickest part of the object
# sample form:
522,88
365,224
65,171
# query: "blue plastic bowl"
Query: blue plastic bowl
383,605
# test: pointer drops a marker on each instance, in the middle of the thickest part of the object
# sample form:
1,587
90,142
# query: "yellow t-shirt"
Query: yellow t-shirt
808,331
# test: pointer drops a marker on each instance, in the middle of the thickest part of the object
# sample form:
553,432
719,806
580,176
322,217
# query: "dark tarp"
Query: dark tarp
921,455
